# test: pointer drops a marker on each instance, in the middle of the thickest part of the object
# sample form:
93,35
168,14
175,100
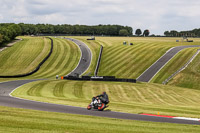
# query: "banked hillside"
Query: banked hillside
24,57
125,61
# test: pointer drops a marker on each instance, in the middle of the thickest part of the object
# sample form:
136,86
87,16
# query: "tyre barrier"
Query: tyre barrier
98,62
102,78
37,68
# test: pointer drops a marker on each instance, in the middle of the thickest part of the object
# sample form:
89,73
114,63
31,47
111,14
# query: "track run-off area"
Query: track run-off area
6,88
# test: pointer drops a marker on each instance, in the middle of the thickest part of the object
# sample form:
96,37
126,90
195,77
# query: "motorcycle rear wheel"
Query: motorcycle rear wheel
102,107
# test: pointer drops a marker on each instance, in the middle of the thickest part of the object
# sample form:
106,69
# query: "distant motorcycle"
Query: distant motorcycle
97,104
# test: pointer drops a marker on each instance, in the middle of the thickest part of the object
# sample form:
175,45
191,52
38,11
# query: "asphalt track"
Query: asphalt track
7,100
85,60
147,75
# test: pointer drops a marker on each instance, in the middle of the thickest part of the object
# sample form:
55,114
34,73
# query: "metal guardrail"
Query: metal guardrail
98,61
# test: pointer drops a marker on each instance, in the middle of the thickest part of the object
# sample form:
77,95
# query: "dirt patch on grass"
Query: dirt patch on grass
10,44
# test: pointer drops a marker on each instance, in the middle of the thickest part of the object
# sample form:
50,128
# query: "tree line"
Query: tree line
108,30
190,33
8,32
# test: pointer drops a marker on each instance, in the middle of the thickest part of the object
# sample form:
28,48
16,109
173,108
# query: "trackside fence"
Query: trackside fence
103,78
98,62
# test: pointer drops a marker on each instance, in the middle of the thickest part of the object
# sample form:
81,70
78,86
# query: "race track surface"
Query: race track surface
5,100
7,87
86,57
160,63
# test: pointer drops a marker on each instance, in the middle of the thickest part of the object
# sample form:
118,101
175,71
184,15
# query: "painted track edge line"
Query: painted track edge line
173,117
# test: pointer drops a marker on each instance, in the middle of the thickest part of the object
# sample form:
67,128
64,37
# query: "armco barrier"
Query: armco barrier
98,62
103,78
37,68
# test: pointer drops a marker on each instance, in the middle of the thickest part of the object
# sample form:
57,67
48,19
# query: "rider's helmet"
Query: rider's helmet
103,92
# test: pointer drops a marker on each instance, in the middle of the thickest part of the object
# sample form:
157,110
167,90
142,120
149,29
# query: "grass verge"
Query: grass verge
23,121
189,77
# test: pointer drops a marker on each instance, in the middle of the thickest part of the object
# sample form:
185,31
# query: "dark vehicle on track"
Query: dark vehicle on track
97,104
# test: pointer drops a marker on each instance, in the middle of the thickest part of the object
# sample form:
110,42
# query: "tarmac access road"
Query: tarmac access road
147,75
85,60
6,100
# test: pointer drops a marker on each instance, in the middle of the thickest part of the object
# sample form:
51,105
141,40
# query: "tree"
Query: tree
138,32
166,33
1,38
146,33
174,33
123,32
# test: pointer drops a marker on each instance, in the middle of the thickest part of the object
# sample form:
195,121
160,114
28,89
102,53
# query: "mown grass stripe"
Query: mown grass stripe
56,59
78,89
35,90
63,60
125,61
60,61
58,89
49,62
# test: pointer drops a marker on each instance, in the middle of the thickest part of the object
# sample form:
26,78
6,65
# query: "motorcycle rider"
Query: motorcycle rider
103,97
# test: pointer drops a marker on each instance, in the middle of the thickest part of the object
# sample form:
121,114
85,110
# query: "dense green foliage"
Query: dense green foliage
113,30
190,33
123,32
8,32
146,33
138,32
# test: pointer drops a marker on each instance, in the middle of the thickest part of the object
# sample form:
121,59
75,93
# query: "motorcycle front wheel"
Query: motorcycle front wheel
89,107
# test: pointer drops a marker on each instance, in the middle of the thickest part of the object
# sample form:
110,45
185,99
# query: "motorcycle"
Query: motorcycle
97,104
